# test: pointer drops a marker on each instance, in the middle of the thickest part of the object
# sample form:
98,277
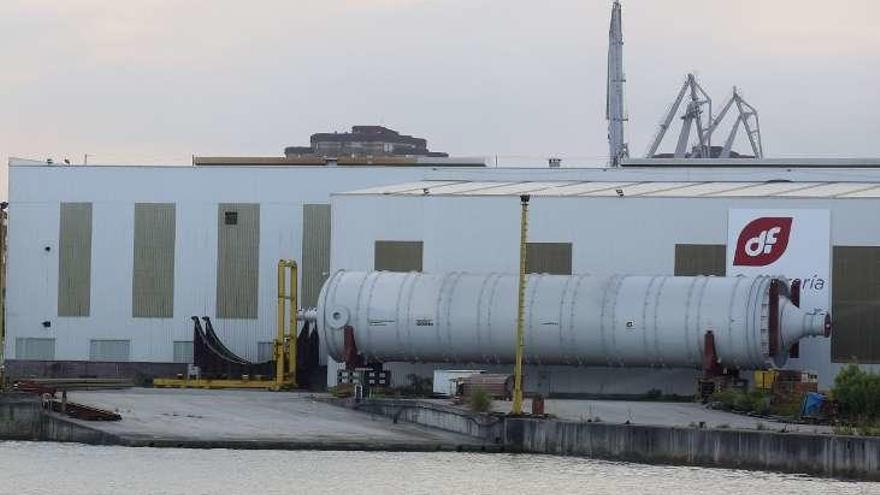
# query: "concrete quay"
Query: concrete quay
223,419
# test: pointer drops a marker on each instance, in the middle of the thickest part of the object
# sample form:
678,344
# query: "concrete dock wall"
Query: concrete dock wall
820,455
22,417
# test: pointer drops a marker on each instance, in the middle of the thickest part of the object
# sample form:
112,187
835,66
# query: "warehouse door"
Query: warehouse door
855,304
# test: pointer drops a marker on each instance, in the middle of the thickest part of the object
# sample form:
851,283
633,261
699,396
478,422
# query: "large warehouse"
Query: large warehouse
668,221
107,264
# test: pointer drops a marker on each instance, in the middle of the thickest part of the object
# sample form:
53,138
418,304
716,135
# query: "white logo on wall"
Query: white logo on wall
792,243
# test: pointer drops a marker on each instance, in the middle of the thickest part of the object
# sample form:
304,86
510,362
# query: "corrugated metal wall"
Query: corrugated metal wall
153,273
548,257
183,351
34,348
238,260
700,259
109,350
75,259
855,304
315,252
398,256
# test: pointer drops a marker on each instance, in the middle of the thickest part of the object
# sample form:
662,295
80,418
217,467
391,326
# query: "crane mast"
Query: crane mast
614,112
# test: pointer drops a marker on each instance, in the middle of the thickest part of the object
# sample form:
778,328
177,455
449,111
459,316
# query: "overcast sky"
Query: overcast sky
155,81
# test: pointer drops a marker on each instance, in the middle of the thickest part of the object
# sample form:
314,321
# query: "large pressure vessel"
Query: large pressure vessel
569,320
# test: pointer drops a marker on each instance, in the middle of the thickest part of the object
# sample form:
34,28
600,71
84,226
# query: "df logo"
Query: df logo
762,241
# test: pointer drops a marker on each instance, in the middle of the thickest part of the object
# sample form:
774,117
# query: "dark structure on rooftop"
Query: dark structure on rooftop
363,140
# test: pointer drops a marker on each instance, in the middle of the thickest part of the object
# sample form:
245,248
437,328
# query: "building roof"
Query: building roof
316,161
662,189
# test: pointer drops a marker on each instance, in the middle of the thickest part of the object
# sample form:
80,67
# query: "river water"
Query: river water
71,469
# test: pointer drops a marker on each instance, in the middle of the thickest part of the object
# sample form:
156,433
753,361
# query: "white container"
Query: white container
446,381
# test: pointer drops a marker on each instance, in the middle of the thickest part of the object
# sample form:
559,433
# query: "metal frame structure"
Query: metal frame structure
520,306
698,114
284,346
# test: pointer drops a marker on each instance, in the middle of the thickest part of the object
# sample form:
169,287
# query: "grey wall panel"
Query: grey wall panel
153,274
34,348
75,259
855,305
265,351
398,256
315,264
700,259
183,351
109,350
553,258
238,260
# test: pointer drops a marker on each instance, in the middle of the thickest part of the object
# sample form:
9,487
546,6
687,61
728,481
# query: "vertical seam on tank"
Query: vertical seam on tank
397,310
489,329
687,317
572,329
753,307
480,301
562,347
438,308
705,284
334,288
657,353
645,302
529,331
455,281
375,281
733,297
409,285
612,283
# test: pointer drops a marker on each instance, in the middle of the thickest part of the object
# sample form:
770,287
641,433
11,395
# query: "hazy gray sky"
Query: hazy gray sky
155,81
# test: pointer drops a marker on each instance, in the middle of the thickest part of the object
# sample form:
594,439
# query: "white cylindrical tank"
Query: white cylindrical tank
569,320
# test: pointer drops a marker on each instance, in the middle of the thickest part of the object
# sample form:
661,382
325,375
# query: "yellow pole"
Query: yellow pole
520,306
293,309
279,338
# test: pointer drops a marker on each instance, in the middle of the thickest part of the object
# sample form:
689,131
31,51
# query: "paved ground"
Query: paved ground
657,413
238,415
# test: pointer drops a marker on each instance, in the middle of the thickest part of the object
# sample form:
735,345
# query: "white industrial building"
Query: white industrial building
106,265
639,221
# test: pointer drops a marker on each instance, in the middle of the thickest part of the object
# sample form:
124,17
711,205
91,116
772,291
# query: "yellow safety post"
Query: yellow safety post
279,338
520,306
285,339
291,342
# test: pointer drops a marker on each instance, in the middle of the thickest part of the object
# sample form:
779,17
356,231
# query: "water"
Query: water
39,468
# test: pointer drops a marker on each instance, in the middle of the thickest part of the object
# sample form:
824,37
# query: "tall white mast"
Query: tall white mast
614,112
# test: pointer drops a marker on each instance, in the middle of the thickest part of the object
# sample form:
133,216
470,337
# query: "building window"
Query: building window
692,260
553,258
855,304
35,349
398,256
109,350
183,351
265,351
230,218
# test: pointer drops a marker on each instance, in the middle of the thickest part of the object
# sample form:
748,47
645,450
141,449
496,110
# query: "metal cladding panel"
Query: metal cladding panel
315,252
831,190
183,351
553,258
584,320
406,188
582,188
398,256
871,193
75,259
238,260
692,260
524,188
35,348
855,304
153,268
110,350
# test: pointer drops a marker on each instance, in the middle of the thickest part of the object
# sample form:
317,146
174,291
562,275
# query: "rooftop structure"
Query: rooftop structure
363,140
